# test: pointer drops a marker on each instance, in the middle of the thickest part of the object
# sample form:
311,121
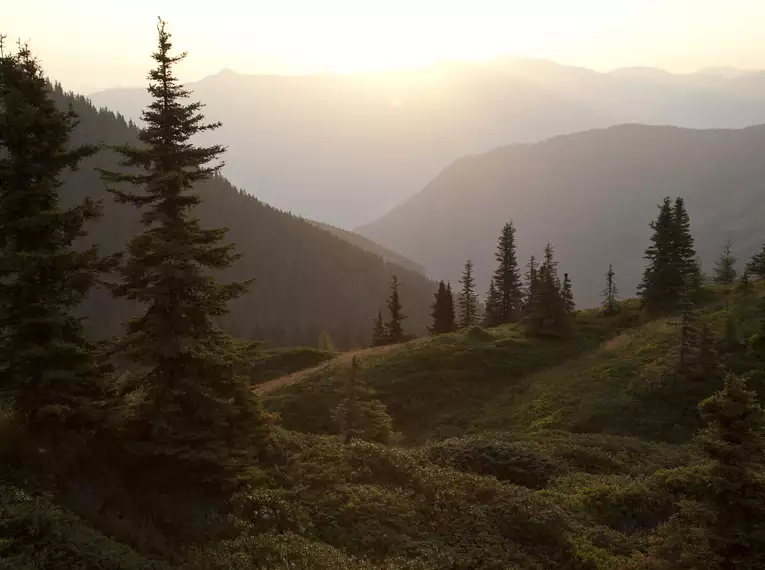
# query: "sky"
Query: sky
96,44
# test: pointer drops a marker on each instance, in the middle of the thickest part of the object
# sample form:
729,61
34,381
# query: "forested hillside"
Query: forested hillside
308,280
589,193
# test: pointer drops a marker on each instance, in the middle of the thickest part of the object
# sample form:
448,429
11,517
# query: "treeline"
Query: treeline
544,303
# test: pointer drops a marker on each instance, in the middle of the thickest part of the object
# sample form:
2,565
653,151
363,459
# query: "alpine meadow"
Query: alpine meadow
552,357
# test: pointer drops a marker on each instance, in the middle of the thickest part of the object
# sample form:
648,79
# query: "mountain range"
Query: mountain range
344,149
592,194
308,280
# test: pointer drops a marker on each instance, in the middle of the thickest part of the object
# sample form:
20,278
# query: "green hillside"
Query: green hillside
514,453
612,376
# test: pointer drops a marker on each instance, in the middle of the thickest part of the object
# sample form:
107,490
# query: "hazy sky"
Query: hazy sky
93,44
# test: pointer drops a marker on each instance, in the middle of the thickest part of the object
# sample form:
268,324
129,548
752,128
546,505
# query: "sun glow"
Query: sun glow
309,36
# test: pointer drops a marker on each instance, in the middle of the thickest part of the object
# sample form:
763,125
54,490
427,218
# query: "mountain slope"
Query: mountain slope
370,246
307,280
345,148
592,194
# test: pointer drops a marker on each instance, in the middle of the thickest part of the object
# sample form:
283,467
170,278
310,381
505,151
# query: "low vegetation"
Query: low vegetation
630,436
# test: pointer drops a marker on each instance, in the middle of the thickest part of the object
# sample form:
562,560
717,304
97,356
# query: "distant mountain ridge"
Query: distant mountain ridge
593,195
344,149
308,280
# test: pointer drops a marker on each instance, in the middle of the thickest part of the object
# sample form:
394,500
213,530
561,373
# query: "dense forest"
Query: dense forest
519,433
309,281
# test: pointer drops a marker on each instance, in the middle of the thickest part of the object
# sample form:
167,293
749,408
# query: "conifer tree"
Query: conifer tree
756,265
359,415
610,292
379,334
53,374
708,359
442,311
198,420
452,312
394,326
725,268
547,314
662,284
468,301
493,308
567,294
532,285
684,250
507,279
735,441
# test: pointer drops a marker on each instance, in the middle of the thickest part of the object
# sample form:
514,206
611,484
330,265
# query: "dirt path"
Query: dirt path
343,360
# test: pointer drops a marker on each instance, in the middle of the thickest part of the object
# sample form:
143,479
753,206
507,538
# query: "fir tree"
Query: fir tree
452,313
394,328
708,359
53,373
725,268
360,415
468,301
735,441
493,310
547,314
567,294
720,523
683,246
379,334
610,292
662,284
507,279
197,420
442,311
532,285
756,265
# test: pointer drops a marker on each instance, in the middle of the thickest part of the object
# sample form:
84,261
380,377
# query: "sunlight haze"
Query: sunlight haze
91,45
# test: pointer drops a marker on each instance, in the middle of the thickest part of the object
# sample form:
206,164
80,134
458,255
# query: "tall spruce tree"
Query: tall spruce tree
197,420
610,292
662,284
507,279
547,314
735,441
442,311
493,307
567,294
684,250
468,300
53,374
532,285
756,265
725,268
379,334
394,327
